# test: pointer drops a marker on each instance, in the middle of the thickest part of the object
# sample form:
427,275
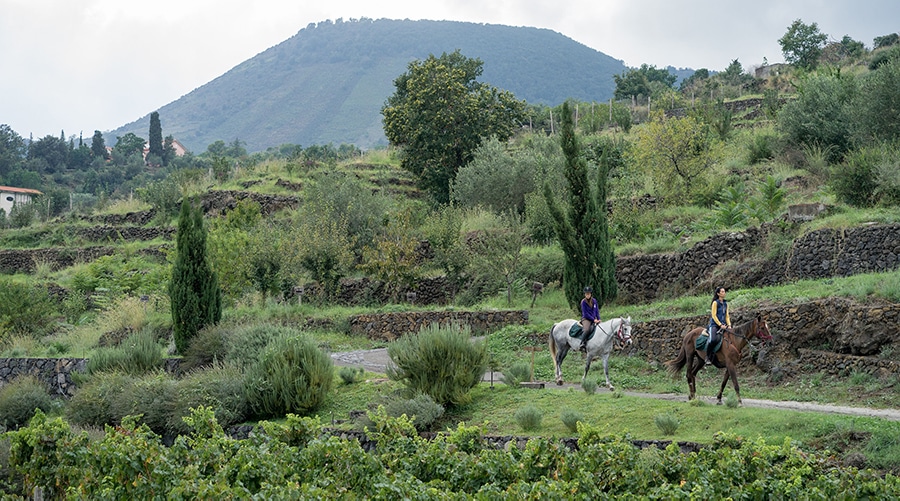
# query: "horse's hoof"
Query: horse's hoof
718,402
559,382
611,388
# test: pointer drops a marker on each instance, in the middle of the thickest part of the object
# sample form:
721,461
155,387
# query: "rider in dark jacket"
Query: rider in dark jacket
590,314
718,319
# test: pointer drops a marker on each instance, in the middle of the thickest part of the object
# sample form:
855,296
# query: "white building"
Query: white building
10,196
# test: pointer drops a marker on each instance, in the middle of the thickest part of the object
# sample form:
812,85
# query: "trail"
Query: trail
377,360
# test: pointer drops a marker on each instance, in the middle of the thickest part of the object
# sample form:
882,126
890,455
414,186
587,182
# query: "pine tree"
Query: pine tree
98,146
194,288
583,232
156,139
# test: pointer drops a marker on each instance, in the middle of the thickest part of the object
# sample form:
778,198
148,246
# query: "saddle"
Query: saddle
578,333
702,339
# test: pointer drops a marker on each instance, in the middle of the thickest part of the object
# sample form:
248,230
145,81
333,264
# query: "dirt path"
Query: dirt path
378,359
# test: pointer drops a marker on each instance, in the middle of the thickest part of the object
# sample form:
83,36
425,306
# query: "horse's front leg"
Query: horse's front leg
587,366
732,369
606,372
728,374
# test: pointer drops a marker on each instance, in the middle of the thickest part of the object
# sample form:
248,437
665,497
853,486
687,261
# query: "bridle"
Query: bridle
762,333
621,336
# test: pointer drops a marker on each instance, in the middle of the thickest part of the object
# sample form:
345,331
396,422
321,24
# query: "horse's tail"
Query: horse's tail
678,363
552,344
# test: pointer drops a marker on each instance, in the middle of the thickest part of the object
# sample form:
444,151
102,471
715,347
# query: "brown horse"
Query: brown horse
728,356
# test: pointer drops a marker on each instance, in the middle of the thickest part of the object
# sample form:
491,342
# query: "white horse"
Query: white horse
601,344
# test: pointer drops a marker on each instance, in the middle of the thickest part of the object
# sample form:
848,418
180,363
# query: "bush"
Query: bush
152,396
20,398
423,410
25,309
761,147
221,387
542,265
439,361
292,376
667,423
138,354
529,418
589,385
91,404
350,375
570,418
208,346
854,181
516,373
245,344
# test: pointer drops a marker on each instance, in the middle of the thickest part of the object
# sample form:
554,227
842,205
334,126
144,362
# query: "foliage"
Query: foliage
297,460
393,258
438,114
194,289
96,402
19,398
443,230
571,418
589,385
517,373
868,175
245,344
820,115
25,309
770,200
802,44
208,346
583,232
496,254
326,250
220,387
351,375
422,409
667,423
292,375
121,273
529,418
139,353
876,108
441,362
638,81
676,153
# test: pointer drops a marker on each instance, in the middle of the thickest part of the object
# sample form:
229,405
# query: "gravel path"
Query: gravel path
377,360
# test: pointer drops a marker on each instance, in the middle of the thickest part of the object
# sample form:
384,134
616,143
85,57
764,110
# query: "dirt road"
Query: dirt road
378,359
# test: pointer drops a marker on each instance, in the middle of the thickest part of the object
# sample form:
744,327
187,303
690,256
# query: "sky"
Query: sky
83,65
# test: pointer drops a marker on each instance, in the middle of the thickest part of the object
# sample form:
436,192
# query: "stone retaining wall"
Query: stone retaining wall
390,326
55,373
126,233
24,260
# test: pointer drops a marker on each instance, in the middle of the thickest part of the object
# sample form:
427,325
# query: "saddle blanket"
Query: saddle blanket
700,343
577,332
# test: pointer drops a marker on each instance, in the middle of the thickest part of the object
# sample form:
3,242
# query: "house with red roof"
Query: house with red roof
10,196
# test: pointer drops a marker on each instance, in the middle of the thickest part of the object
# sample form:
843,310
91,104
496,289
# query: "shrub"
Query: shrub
292,376
442,362
854,181
138,354
667,423
91,404
589,385
350,375
570,418
760,148
516,373
152,396
543,265
529,418
245,344
20,398
220,387
422,409
732,402
25,309
208,346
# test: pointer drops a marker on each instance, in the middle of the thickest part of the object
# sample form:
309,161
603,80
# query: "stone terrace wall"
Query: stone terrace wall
126,233
56,373
851,334
23,260
390,326
818,254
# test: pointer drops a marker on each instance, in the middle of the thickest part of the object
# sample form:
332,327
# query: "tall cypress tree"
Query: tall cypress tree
194,288
98,146
583,232
156,139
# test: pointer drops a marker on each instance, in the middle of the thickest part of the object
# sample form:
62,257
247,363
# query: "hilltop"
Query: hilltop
327,83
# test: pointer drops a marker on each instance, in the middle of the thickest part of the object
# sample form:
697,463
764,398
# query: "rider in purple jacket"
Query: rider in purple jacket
590,314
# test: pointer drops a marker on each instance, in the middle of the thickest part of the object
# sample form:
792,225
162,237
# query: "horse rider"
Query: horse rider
718,319
590,316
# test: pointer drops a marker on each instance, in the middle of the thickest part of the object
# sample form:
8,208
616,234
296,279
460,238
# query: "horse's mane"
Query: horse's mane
742,329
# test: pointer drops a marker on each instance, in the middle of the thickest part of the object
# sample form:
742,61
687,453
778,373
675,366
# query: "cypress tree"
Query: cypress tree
194,288
155,143
98,146
583,232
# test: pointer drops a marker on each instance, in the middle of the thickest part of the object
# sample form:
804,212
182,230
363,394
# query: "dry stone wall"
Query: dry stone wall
55,373
390,326
24,260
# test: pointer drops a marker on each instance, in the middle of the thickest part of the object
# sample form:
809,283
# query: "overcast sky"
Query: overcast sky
85,65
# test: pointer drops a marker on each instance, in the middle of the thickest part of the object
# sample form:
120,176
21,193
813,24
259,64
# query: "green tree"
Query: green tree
583,233
392,258
50,153
675,152
638,81
820,116
802,44
128,145
498,252
98,146
886,40
439,114
194,287
876,107
12,150
155,143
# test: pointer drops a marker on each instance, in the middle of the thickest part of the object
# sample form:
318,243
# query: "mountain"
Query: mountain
327,83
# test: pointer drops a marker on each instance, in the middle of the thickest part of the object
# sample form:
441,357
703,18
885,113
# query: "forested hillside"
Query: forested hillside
327,83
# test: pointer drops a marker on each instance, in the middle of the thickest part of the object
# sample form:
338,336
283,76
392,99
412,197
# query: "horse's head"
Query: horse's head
762,331
623,333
